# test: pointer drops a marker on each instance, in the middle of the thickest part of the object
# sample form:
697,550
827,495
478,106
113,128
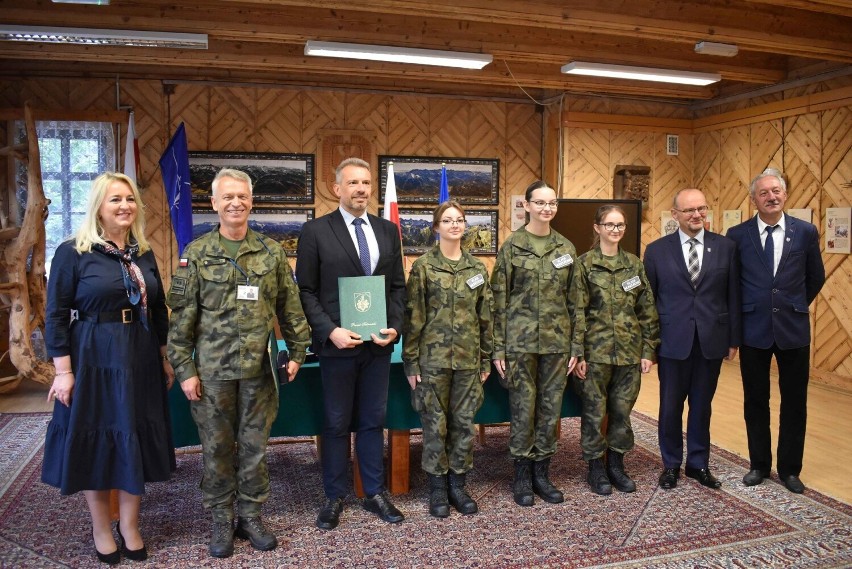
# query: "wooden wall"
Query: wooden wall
325,123
806,133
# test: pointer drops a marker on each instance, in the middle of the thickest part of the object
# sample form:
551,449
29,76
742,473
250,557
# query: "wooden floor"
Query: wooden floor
829,437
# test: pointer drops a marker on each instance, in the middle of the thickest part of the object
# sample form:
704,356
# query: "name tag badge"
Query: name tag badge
563,261
246,292
631,283
476,282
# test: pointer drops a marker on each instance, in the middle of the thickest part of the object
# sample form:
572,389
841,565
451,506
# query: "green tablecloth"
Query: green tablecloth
300,411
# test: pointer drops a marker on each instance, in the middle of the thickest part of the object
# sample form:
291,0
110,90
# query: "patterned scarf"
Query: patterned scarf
134,282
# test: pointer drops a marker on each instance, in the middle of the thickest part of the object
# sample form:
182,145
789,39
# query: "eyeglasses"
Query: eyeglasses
453,221
692,210
612,226
541,204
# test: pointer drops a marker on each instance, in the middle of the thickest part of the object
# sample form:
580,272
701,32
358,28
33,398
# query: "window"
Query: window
72,155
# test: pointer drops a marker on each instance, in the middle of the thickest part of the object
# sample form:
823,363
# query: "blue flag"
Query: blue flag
174,165
445,188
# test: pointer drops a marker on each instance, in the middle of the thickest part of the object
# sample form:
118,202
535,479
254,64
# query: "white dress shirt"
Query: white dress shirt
699,247
372,244
778,237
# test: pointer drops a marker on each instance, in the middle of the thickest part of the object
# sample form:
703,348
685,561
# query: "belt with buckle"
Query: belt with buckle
125,316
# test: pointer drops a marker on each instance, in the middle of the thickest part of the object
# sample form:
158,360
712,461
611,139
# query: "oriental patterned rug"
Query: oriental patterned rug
690,526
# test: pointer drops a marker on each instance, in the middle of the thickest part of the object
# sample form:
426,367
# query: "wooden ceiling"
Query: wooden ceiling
262,42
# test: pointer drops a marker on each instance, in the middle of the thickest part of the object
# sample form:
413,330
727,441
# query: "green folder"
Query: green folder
362,305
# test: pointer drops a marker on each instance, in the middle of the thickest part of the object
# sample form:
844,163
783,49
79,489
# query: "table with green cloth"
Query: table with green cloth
300,413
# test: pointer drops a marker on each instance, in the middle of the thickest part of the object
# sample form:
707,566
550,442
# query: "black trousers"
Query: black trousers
355,391
793,370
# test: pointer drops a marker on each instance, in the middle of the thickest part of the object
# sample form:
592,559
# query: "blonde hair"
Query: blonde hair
91,232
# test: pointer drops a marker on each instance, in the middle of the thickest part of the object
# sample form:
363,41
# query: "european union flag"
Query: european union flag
174,165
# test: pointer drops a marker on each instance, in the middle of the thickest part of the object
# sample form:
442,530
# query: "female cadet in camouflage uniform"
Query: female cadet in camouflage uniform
618,329
534,298
446,349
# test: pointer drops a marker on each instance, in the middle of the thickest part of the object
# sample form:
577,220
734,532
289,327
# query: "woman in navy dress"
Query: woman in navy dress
106,327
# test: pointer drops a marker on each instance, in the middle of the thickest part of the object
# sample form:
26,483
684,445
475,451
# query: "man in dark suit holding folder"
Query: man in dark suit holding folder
695,278
782,273
349,242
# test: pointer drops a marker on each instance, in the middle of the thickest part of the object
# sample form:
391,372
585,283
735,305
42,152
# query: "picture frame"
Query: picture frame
471,181
276,178
284,225
480,236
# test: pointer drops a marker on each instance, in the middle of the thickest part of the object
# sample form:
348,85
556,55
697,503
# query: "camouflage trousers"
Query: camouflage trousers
447,401
230,413
536,383
607,390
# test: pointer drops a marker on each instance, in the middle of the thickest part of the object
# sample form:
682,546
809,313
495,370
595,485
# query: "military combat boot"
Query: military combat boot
439,507
252,529
615,470
459,498
222,534
597,478
522,486
541,483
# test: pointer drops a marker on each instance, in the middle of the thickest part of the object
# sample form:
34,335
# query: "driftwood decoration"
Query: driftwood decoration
24,291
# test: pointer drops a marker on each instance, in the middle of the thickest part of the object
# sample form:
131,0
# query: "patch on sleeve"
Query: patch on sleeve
183,262
178,286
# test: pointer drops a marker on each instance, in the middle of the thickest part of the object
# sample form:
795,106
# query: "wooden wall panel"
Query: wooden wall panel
408,130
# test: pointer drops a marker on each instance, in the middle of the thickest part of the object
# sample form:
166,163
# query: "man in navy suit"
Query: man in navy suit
695,278
781,273
349,242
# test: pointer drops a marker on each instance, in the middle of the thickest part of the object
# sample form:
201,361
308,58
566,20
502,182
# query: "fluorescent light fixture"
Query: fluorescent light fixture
640,73
95,2
398,54
92,36
714,48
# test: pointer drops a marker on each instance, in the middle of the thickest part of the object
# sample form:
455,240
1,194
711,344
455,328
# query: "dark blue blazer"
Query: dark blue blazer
775,309
326,252
712,307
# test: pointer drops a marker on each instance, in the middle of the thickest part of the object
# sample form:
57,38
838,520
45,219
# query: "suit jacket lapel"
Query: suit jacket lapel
708,260
754,234
677,255
341,232
789,235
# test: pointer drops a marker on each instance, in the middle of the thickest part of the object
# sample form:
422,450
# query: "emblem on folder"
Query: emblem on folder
363,301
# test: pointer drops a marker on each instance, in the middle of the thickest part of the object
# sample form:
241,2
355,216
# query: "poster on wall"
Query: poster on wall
803,213
837,229
730,218
667,223
519,214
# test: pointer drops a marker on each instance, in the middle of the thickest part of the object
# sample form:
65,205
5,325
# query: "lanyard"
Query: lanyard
233,262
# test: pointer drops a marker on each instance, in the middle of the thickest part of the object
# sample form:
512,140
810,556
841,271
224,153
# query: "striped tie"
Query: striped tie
692,265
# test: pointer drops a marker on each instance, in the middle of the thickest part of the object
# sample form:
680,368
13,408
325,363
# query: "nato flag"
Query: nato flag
174,165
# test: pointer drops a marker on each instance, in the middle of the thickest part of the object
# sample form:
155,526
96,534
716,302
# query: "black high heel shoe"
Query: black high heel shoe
140,554
113,558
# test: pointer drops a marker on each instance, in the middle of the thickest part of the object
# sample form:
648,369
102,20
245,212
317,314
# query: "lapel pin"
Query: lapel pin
709,249
788,239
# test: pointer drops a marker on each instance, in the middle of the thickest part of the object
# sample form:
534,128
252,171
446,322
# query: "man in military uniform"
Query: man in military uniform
230,285
534,302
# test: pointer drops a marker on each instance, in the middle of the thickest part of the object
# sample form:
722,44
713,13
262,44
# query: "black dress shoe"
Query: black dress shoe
793,484
329,515
381,505
668,479
704,476
113,558
140,554
754,477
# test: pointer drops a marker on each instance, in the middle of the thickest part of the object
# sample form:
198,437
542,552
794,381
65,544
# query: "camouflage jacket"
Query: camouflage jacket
214,335
448,315
616,321
534,297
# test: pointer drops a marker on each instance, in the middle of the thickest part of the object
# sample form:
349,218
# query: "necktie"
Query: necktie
363,248
769,248
692,266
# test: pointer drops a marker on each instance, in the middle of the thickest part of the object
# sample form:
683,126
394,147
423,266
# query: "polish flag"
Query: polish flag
131,152
391,210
